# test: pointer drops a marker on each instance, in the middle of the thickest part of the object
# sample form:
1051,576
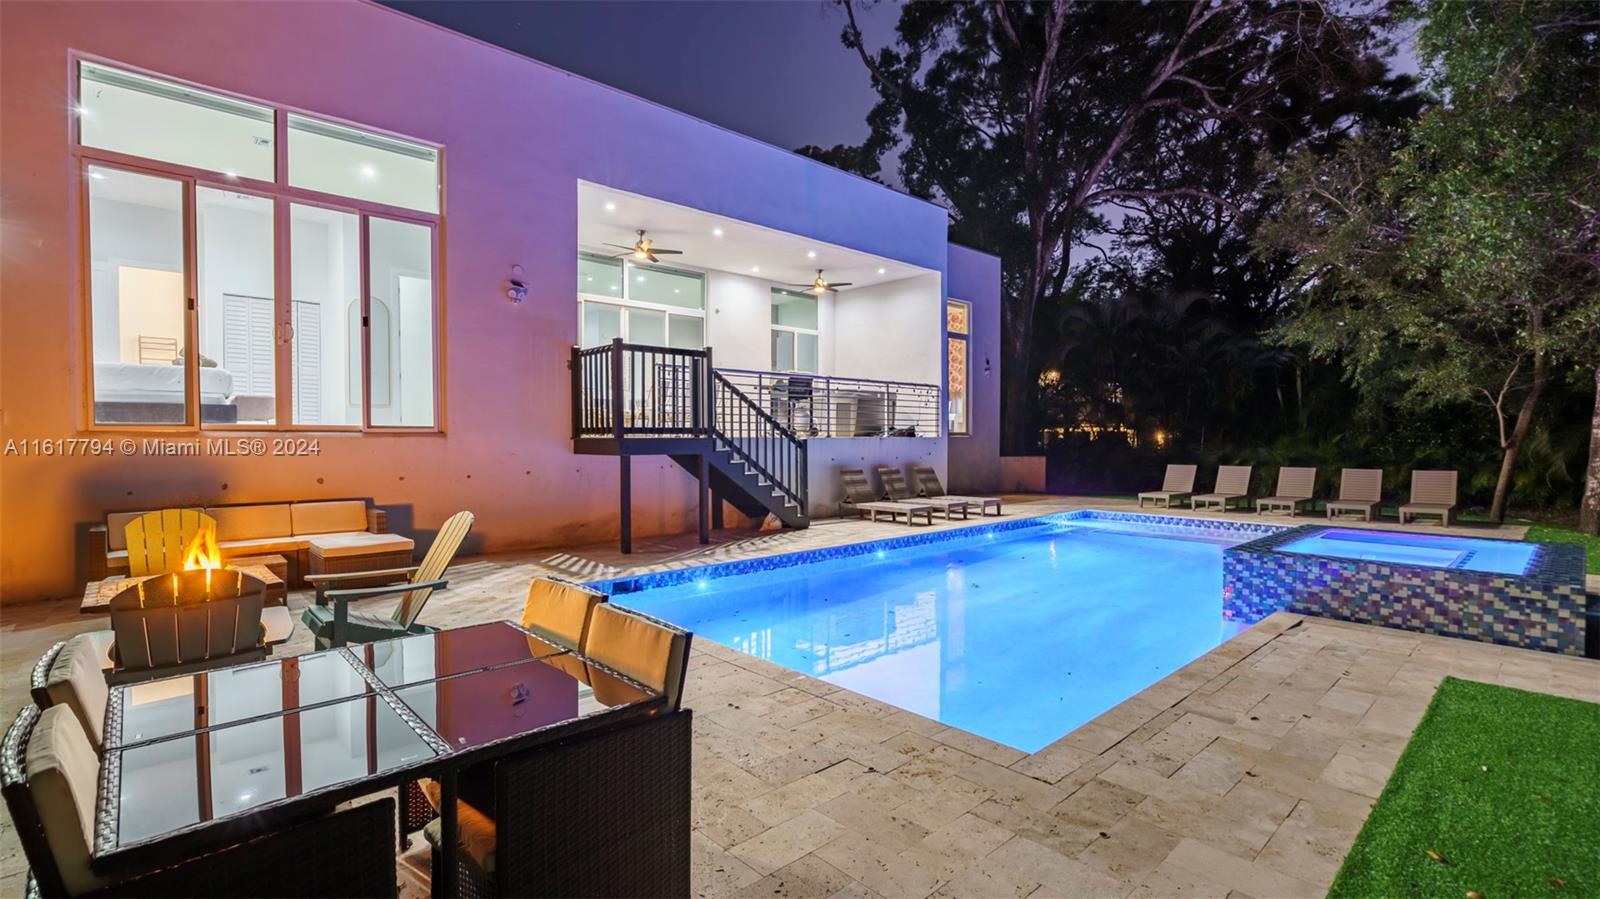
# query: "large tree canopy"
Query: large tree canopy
1458,259
1034,122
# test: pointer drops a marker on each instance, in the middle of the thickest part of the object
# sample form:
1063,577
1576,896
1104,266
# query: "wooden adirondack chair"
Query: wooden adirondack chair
157,540
337,625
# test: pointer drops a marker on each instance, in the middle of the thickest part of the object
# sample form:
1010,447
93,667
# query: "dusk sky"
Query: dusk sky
773,69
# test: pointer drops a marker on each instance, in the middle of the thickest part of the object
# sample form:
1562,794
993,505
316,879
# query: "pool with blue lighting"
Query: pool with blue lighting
1017,633
1427,550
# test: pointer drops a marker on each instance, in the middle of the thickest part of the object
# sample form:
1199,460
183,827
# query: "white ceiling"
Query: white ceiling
608,216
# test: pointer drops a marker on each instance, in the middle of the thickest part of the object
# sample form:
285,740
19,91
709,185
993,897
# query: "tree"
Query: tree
1589,509
1457,260
1029,119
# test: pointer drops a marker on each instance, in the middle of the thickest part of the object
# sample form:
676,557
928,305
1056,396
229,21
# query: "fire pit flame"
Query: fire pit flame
202,552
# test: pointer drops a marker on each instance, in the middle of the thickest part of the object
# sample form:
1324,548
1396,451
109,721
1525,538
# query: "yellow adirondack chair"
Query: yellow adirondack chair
157,540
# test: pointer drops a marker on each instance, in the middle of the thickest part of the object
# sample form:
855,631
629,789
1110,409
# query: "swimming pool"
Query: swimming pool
1018,632
1427,550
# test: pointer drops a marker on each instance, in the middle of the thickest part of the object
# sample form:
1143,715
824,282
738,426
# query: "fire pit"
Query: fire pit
188,620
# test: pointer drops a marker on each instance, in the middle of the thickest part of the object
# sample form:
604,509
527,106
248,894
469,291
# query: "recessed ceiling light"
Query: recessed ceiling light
589,278
755,268
98,176
367,171
640,279
880,271
811,254
232,175
716,232
611,207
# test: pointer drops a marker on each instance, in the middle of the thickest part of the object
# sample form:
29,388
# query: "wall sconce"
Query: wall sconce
518,291
986,366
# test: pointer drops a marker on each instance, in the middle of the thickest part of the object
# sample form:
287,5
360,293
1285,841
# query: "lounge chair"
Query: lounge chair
157,540
337,625
928,485
859,495
1177,484
1360,490
894,484
1233,483
1295,486
559,610
1432,493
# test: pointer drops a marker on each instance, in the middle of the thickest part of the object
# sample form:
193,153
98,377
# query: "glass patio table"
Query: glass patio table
197,762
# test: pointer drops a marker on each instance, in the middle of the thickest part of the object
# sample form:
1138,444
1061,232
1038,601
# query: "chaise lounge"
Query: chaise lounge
1233,483
894,484
1360,491
1295,486
859,495
928,485
1177,484
1432,493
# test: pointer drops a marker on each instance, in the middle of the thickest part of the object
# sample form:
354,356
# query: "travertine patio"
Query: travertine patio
1247,772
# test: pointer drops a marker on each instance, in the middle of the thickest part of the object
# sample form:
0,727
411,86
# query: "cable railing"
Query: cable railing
831,406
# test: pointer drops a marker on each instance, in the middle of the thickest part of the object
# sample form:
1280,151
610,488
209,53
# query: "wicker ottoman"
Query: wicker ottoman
343,553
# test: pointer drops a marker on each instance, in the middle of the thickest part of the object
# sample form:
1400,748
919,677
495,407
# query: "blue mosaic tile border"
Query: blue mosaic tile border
1541,609
672,577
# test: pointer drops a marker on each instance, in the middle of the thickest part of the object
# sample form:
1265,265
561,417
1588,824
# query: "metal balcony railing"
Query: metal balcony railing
831,406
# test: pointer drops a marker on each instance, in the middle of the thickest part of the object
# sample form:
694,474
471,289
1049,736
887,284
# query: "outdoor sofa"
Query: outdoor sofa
318,537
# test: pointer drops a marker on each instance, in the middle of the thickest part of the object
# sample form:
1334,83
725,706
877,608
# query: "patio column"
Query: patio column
705,499
625,479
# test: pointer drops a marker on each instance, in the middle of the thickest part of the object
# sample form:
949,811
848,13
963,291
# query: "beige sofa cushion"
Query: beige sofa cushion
266,545
117,525
253,522
77,681
359,543
63,773
329,517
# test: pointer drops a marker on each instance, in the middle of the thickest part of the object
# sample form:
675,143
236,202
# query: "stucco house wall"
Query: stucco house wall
511,167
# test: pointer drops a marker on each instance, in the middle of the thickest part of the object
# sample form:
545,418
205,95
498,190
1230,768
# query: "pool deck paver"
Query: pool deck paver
1247,772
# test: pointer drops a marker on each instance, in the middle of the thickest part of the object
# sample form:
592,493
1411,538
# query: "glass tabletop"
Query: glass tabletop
169,784
425,657
479,708
177,705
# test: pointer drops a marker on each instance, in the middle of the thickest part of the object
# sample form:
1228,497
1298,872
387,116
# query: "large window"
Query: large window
958,332
794,330
336,327
645,304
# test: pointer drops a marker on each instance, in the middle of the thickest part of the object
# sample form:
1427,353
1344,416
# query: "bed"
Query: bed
128,393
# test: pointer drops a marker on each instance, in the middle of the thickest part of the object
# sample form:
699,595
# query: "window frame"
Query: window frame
795,330
626,302
966,377
283,197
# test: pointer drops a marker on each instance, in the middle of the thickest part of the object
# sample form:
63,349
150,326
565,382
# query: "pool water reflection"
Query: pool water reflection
1019,636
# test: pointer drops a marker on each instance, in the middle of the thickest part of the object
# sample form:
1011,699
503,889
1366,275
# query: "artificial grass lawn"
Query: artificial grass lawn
1503,785
1545,533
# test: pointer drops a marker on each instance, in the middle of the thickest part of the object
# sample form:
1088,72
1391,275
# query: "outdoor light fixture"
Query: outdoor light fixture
518,291
716,232
611,207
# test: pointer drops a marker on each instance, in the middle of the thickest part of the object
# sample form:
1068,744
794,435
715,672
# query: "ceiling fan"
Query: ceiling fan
643,250
821,285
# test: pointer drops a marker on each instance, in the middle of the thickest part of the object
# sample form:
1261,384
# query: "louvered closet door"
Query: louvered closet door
247,343
307,363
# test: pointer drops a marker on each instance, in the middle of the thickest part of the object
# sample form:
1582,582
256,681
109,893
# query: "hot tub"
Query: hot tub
1477,588
1426,550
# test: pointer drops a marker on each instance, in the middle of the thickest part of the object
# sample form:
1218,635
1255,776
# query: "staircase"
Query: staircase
630,400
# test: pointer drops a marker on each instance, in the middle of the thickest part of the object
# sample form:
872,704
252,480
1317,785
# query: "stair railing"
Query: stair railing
621,390
758,439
